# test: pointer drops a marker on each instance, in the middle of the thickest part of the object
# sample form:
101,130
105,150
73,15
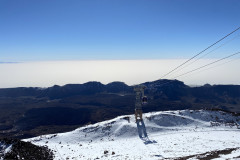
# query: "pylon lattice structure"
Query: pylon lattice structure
138,104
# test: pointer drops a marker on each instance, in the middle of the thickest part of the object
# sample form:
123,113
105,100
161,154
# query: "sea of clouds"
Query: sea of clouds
49,73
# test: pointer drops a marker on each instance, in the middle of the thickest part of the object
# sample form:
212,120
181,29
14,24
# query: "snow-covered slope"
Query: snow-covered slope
168,134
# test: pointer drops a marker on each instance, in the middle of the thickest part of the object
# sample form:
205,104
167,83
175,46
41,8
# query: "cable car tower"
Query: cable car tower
140,100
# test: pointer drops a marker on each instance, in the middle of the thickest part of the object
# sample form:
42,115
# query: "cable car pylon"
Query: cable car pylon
140,100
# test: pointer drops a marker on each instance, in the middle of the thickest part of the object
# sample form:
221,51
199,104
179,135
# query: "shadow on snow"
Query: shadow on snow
142,132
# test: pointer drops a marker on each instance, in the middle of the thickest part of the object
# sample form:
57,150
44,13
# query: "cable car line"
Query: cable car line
207,65
231,60
202,67
212,51
200,53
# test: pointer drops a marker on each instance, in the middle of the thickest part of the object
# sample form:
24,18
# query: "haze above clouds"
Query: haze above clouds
49,73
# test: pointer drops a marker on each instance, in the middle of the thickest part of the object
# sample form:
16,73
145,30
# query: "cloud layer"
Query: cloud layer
45,74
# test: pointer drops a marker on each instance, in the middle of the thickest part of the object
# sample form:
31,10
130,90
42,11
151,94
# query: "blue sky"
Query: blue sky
46,30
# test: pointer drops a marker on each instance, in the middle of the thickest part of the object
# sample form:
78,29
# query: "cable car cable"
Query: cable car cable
207,65
202,67
200,53
231,60
211,51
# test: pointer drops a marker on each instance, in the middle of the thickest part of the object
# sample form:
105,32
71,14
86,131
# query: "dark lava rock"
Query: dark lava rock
25,150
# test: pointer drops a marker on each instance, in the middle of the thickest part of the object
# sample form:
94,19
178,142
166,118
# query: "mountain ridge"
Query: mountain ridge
28,112
94,87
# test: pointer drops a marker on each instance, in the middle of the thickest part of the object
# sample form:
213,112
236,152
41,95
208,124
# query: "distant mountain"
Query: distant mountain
173,89
67,90
32,111
9,62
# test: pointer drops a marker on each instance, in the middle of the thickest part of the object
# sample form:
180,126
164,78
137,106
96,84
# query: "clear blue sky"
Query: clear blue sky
36,30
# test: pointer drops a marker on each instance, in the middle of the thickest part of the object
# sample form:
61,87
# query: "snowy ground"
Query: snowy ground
161,135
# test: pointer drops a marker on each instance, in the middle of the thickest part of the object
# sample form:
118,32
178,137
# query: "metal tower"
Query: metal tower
138,104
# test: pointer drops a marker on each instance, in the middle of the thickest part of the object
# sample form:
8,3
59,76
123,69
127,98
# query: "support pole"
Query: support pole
138,104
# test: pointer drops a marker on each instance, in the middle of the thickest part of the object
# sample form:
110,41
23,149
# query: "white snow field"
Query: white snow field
161,135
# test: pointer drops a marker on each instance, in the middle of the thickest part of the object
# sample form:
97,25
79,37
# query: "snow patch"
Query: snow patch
4,149
160,135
